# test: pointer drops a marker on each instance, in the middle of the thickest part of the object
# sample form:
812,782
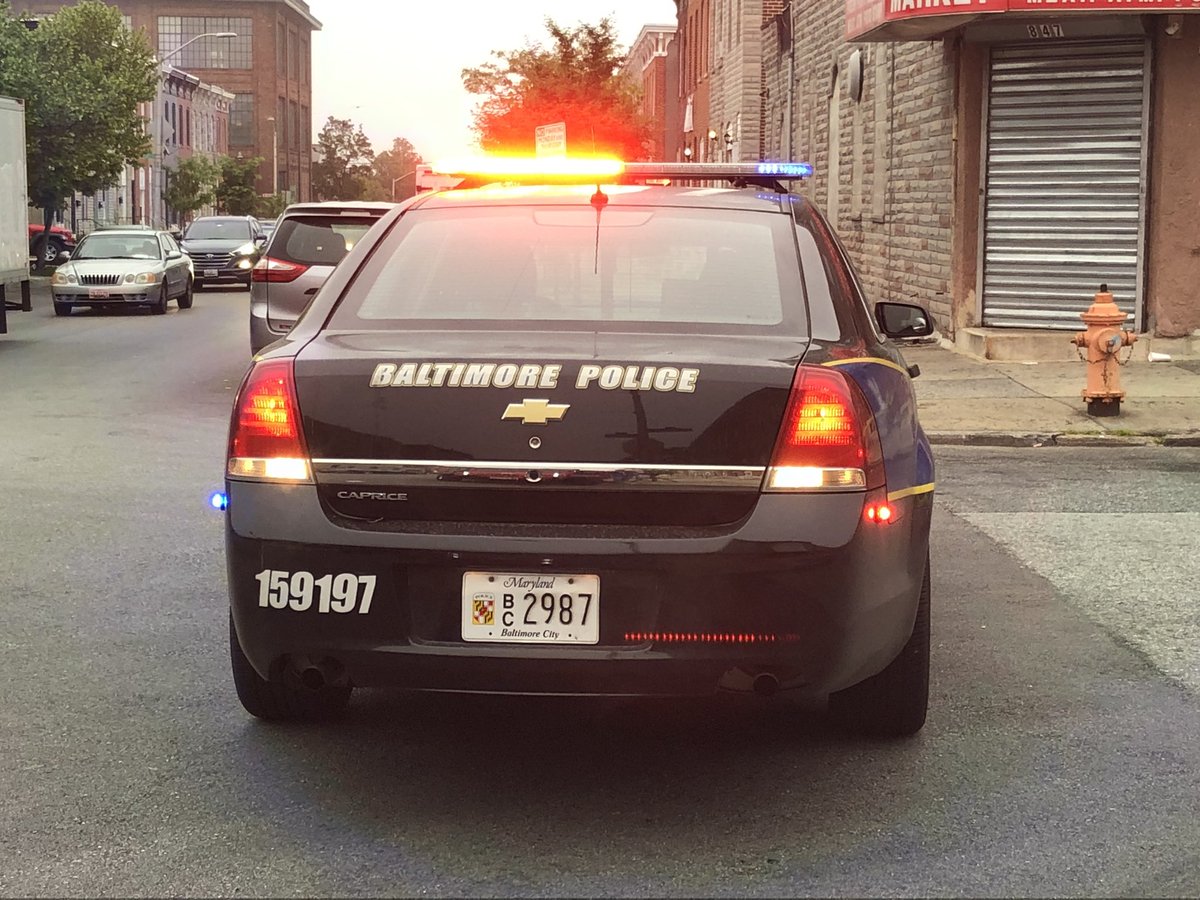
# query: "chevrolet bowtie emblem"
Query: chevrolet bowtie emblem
535,412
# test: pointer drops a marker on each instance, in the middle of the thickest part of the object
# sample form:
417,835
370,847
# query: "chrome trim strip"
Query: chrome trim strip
416,472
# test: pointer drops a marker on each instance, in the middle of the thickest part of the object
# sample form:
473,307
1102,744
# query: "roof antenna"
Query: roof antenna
599,201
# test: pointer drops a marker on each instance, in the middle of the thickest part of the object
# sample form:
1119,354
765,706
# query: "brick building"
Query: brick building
195,121
994,160
649,67
694,48
267,67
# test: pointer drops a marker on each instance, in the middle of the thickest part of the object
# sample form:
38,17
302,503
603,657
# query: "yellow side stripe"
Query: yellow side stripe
868,359
911,492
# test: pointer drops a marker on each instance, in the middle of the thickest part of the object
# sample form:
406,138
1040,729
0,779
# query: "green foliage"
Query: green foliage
82,75
270,206
396,166
192,184
236,194
576,80
344,167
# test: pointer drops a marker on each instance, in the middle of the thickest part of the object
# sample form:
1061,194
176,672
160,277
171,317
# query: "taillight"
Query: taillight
828,440
276,270
266,441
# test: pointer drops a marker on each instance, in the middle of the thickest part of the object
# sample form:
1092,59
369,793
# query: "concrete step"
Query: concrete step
1036,345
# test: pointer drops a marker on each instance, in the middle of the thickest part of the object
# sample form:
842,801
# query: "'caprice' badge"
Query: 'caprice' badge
665,379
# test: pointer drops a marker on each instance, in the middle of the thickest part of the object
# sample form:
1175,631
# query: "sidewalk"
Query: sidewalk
967,400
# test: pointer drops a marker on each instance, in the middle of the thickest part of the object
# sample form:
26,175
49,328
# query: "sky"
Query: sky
393,66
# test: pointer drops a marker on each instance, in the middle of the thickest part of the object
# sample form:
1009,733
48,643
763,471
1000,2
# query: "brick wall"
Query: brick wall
893,148
736,99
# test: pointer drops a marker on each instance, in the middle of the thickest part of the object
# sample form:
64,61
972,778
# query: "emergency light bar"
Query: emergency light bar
605,170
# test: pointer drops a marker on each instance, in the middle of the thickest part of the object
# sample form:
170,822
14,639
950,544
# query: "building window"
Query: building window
281,49
304,138
293,56
303,61
209,52
241,120
294,124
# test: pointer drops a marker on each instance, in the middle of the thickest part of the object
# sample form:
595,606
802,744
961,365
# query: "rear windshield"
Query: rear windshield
661,267
318,240
218,230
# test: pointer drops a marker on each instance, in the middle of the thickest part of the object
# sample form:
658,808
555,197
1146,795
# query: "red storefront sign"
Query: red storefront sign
922,19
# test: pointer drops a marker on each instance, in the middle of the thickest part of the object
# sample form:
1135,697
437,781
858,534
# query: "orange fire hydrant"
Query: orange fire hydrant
1103,338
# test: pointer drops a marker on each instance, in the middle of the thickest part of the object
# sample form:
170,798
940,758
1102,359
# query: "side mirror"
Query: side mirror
63,256
903,320
174,254
260,240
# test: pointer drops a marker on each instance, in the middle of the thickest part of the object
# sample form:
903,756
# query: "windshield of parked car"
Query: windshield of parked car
664,267
218,230
118,246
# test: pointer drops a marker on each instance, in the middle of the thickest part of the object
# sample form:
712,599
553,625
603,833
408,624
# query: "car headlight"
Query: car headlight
61,277
246,249
143,278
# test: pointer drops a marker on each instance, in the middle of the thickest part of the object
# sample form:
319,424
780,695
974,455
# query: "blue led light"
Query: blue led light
786,169
219,500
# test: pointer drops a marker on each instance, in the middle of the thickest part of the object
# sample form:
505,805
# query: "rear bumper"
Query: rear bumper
261,332
838,597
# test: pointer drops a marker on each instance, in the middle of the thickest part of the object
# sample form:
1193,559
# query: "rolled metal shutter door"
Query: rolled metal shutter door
1063,210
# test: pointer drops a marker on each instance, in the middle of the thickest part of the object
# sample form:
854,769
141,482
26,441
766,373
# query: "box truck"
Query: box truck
14,210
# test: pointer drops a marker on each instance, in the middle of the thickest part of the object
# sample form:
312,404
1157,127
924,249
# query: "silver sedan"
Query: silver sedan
132,267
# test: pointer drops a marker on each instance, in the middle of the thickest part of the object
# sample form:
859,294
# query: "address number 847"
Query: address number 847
342,593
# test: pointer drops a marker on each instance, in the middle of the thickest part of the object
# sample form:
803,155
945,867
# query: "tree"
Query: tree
344,164
192,185
270,206
397,167
82,74
577,81
236,194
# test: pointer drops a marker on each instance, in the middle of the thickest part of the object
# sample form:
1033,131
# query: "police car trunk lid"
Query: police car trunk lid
543,427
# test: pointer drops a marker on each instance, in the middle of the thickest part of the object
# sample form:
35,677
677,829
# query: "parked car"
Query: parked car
129,267
223,248
309,240
616,436
62,240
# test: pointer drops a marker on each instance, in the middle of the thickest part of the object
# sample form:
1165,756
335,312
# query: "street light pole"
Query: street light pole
157,165
274,155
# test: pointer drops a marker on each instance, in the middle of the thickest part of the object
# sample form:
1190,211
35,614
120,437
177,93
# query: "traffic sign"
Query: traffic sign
551,139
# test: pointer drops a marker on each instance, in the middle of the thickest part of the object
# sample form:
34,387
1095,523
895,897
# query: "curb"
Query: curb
1033,439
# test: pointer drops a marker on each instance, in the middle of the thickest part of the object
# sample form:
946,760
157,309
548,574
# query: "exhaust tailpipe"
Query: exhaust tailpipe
313,678
766,684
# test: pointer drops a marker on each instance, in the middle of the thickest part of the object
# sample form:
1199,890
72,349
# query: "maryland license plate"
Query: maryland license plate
526,608
98,294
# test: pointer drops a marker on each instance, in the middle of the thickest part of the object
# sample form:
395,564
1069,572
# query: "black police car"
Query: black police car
606,434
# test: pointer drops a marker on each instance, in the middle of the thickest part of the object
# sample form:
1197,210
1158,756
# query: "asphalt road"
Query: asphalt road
1062,755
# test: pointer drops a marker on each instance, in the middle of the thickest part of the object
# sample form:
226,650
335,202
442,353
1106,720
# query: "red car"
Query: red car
60,239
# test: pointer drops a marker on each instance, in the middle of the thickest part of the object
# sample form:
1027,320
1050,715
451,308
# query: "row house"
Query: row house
652,66
994,160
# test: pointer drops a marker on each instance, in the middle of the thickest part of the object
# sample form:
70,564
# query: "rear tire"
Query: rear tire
159,306
186,298
284,697
62,309
893,703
